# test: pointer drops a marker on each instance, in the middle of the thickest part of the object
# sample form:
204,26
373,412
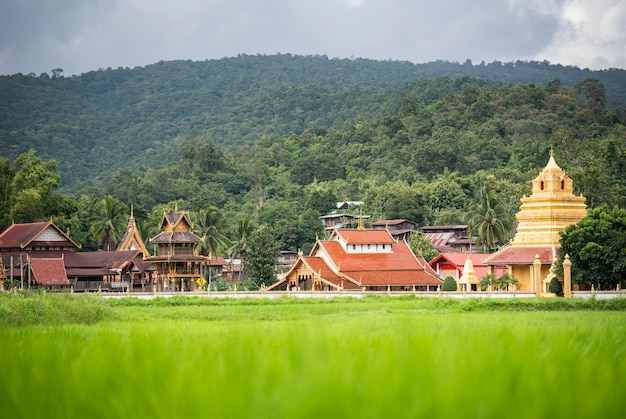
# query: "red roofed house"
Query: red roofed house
42,255
452,264
33,253
359,259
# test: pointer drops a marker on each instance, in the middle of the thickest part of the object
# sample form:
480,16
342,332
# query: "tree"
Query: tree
420,245
108,223
594,95
597,248
555,286
31,187
261,257
208,226
449,284
242,231
504,282
488,218
485,282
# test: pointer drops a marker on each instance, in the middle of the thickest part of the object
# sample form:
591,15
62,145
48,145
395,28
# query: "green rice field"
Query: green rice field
377,357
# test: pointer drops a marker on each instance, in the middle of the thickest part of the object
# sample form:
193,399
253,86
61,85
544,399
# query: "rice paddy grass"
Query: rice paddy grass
372,358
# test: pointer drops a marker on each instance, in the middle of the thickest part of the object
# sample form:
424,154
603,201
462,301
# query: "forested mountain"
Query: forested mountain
138,119
253,140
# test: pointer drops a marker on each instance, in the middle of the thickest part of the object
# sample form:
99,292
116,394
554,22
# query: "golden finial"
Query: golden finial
551,151
360,227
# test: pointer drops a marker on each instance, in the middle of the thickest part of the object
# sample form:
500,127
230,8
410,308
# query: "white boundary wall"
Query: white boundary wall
318,294
599,295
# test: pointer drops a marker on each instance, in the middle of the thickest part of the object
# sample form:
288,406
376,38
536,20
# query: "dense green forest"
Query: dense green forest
137,119
254,140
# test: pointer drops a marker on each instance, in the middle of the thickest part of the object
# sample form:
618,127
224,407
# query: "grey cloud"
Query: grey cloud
83,35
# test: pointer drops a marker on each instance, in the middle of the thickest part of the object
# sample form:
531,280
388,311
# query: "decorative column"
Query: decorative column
537,275
567,277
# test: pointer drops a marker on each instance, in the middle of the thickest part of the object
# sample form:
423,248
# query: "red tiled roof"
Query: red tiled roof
351,236
520,256
399,267
374,278
21,235
218,261
49,271
458,259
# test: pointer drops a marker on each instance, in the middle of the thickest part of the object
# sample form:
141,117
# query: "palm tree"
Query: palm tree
209,223
489,219
242,232
109,222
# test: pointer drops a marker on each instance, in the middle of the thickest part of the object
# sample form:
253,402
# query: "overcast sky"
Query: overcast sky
83,35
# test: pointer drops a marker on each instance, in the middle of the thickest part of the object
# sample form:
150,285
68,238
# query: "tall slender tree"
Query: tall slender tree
209,224
241,234
108,223
262,252
489,218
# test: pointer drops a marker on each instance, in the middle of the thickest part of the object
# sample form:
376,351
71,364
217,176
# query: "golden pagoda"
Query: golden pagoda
551,207
542,216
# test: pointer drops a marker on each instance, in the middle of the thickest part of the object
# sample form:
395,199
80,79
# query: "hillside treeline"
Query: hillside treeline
425,161
138,119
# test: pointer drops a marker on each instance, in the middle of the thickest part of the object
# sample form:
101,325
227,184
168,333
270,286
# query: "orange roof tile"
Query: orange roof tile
400,267
366,236
400,259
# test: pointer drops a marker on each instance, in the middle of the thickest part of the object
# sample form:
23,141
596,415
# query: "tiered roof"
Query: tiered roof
396,265
542,216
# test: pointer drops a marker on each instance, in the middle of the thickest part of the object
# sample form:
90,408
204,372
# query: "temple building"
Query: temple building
455,264
177,264
542,216
359,259
41,255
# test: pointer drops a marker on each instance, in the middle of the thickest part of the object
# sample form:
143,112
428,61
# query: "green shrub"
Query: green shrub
36,307
555,286
449,284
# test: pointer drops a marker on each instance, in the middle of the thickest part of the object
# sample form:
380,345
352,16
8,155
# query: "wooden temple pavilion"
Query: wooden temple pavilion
177,264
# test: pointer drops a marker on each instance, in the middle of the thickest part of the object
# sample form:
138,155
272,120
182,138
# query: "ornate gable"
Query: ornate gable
132,239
